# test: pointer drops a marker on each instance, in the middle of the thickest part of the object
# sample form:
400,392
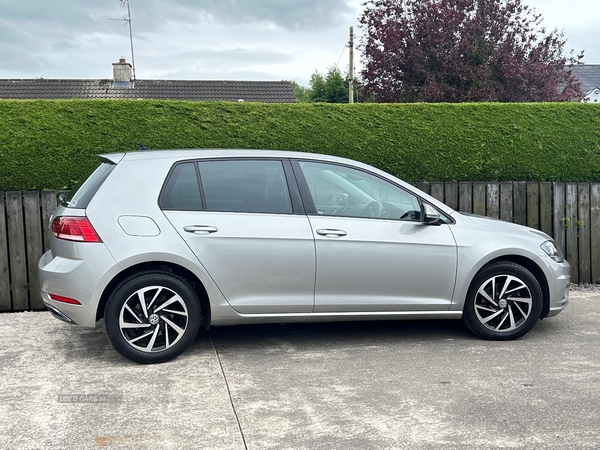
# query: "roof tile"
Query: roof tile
195,90
588,74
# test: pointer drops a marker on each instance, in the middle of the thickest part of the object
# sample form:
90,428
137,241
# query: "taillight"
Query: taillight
71,228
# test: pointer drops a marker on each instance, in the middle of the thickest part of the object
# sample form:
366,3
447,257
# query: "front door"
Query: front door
373,251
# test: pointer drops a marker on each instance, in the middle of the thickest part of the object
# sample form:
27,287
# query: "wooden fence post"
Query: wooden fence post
572,241
16,251
423,186
479,198
546,208
520,202
506,201
595,231
583,230
5,304
493,200
451,194
533,201
559,216
49,204
437,191
33,239
465,197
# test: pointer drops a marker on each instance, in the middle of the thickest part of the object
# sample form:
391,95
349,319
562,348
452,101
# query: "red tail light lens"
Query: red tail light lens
78,229
60,298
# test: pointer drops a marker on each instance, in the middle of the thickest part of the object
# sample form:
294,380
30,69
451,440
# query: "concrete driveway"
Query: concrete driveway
375,385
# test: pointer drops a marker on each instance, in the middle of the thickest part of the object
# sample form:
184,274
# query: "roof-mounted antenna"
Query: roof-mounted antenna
142,147
127,21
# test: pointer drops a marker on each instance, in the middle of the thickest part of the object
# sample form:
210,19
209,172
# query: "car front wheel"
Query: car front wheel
504,302
152,317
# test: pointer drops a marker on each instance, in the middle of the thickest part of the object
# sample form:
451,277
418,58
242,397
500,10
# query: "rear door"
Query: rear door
246,225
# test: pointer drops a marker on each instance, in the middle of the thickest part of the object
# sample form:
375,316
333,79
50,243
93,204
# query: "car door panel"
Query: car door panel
247,230
383,265
373,251
262,263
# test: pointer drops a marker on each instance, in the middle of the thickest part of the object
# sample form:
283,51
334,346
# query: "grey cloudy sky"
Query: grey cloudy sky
212,39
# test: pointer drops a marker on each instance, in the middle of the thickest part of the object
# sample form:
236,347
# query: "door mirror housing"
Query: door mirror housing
430,215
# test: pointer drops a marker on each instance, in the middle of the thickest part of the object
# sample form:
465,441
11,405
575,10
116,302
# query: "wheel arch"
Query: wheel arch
167,267
535,270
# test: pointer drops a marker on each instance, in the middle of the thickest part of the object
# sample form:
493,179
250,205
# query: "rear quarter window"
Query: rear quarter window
81,195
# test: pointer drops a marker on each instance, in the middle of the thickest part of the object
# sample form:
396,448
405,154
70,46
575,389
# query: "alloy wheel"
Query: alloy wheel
153,319
503,303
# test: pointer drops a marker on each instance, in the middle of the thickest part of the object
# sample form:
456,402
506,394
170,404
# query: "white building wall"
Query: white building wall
593,96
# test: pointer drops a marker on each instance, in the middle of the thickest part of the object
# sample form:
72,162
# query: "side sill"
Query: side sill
241,319
398,314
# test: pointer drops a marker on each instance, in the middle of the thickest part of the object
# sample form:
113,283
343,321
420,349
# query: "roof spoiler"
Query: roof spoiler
113,158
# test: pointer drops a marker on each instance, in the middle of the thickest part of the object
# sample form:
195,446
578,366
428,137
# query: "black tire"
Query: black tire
504,302
152,317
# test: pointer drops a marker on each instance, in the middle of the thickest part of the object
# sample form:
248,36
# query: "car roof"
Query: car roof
218,153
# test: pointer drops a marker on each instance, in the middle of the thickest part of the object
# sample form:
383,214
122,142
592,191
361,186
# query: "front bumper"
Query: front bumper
560,305
558,287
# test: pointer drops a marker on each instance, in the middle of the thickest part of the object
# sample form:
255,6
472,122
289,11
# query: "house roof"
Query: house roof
588,74
248,91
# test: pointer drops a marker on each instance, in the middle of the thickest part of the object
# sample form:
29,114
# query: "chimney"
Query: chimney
122,71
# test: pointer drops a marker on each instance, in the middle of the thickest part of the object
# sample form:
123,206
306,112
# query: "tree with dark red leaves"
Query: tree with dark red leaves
463,51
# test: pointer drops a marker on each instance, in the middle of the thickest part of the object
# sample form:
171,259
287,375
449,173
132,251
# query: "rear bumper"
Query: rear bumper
58,314
83,279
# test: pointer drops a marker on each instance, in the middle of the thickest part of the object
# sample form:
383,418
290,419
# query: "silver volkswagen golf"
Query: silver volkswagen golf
159,243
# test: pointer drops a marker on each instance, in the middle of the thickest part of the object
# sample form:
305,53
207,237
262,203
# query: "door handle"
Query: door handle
331,232
200,229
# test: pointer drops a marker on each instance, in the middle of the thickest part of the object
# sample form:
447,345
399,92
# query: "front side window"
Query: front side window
343,191
256,186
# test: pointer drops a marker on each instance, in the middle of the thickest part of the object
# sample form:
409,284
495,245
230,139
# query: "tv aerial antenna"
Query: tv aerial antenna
127,22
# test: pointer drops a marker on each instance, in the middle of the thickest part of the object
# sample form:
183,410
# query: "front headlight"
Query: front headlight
552,251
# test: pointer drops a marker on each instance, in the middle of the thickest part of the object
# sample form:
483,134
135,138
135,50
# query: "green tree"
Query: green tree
301,93
329,88
317,88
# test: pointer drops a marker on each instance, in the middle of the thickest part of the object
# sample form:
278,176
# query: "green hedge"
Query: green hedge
52,144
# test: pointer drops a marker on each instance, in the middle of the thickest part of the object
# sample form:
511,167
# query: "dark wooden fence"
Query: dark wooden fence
24,237
570,212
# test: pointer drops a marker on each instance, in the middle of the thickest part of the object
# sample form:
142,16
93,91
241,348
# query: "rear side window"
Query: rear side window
256,186
80,196
182,191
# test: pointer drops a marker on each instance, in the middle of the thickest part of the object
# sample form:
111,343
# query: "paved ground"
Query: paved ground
413,385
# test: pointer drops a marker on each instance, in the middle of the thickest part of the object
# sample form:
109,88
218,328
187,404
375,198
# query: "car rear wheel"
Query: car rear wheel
152,317
504,302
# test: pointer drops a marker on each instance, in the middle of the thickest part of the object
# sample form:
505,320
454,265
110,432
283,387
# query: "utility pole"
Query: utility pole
351,69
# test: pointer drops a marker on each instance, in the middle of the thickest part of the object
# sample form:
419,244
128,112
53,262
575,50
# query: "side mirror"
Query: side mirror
339,200
431,216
